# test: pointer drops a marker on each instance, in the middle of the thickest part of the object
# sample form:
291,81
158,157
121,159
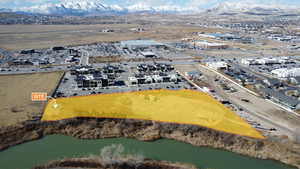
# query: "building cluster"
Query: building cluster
241,76
89,77
157,67
270,88
55,55
280,92
156,73
286,73
281,34
267,61
246,26
228,37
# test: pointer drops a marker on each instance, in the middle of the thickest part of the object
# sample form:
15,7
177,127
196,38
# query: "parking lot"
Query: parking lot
69,86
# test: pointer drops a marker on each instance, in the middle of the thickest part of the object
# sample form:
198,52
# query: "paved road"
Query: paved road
84,58
285,121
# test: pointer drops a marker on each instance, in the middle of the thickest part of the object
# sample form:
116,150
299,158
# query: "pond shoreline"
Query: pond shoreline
96,163
89,128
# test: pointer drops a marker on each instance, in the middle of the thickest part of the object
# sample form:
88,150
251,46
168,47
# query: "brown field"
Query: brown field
15,95
17,37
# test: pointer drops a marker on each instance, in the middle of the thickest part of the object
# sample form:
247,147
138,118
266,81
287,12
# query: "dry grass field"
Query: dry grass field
15,95
17,37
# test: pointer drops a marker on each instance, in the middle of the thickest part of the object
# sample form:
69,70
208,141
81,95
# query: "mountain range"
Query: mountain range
97,7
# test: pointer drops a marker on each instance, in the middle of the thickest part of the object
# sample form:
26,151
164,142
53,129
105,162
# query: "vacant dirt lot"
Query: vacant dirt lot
15,95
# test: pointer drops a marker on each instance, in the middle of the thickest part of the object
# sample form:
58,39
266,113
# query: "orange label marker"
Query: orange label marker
38,96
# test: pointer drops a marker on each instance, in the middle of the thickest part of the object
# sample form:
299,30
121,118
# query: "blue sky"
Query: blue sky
183,3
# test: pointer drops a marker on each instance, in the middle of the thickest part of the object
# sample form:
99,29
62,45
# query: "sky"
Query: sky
181,3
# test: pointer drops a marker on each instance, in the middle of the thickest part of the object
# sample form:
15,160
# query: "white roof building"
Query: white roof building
173,77
263,61
132,80
210,45
88,77
285,73
157,78
148,54
217,65
148,79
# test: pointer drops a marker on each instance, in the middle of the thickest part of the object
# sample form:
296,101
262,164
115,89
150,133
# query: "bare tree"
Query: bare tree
112,155
136,159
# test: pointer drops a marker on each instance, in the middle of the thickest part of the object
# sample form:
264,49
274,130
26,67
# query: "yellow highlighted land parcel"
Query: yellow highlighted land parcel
178,106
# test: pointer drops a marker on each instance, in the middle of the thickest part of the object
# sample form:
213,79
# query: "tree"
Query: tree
112,154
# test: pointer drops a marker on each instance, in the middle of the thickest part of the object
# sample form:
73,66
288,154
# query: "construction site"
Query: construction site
192,107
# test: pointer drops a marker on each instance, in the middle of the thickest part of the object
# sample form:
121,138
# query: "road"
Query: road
285,121
84,60
251,92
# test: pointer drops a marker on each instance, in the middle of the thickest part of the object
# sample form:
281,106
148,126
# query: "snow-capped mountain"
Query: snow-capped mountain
97,7
73,7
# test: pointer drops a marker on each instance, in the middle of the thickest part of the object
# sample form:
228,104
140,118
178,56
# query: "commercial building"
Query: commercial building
280,97
209,45
221,36
272,82
285,73
217,65
267,61
88,77
148,54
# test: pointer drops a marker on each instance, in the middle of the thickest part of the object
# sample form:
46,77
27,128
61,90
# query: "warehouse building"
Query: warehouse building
149,54
209,45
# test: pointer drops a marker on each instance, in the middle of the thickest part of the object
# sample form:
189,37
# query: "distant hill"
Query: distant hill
252,9
5,10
